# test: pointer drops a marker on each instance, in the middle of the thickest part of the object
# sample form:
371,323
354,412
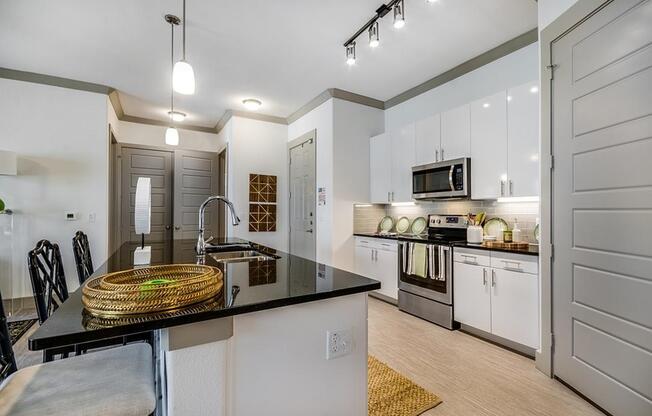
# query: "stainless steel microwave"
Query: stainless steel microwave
447,179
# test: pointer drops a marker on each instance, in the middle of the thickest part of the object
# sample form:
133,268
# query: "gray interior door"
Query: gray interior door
157,165
195,179
302,197
602,207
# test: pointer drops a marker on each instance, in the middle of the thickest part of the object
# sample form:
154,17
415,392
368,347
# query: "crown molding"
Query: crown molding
54,81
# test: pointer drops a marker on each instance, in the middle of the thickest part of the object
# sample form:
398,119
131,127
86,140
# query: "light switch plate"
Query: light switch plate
338,343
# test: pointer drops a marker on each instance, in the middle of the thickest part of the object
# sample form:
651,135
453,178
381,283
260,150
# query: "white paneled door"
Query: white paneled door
302,197
602,207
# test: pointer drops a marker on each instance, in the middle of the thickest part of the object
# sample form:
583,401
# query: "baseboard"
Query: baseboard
384,298
499,341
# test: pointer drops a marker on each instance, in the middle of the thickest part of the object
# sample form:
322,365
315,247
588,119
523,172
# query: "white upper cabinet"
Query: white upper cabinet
427,140
455,133
523,140
489,147
402,158
380,172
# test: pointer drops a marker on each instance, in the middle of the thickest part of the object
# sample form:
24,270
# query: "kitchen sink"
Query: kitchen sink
218,248
241,255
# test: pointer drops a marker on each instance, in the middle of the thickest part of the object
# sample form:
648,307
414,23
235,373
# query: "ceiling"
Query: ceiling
283,52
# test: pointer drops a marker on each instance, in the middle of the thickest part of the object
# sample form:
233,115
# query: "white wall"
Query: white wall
320,119
343,131
150,135
549,10
257,147
60,137
353,125
516,68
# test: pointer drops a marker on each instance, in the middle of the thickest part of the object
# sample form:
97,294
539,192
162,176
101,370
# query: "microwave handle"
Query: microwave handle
450,177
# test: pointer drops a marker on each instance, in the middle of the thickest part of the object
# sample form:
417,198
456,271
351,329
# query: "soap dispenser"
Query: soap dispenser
516,232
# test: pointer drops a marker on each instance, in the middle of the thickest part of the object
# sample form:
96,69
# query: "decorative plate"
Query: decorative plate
536,233
419,225
402,225
495,227
386,224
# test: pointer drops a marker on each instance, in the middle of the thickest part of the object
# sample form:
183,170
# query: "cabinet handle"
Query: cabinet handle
388,200
493,278
484,276
437,155
470,259
442,153
502,188
392,196
511,188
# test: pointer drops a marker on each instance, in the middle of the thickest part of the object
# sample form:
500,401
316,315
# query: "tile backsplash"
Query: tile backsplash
366,217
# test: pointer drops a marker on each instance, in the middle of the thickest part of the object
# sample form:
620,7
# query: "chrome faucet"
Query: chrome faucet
201,243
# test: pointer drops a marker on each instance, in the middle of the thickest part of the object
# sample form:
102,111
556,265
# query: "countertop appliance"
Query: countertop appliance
426,270
448,179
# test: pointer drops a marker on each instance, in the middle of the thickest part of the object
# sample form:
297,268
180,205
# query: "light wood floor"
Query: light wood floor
473,377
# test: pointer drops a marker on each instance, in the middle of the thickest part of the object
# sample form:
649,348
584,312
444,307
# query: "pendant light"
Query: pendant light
374,39
172,134
399,15
183,76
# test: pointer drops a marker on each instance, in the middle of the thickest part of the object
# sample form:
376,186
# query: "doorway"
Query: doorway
302,196
601,141
181,181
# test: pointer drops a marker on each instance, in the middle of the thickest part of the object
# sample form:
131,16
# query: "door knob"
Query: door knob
309,231
176,227
167,227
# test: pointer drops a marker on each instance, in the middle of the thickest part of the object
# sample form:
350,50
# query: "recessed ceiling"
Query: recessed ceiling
282,52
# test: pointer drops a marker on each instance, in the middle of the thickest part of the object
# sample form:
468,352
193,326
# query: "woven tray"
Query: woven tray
149,290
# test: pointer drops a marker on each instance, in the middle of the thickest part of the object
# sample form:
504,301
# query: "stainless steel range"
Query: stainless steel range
426,270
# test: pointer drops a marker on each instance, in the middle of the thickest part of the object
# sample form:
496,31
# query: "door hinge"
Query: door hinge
552,342
552,251
552,162
551,71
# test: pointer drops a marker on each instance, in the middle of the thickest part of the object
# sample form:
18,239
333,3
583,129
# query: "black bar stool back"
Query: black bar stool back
82,253
48,279
7,359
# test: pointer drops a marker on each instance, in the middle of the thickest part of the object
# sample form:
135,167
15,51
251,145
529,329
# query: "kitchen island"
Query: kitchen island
260,347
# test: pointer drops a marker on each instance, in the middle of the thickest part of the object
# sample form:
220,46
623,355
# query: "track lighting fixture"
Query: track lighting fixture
373,28
171,134
350,54
374,39
183,76
399,15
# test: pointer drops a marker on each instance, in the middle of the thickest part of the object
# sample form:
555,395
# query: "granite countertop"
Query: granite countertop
532,250
287,280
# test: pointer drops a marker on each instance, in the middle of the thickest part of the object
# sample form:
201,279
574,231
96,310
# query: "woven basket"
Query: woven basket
149,290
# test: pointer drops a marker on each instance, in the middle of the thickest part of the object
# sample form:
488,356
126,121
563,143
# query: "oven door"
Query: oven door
448,179
426,270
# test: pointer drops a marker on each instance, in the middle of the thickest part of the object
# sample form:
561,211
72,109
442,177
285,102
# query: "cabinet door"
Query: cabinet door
363,261
489,147
402,162
515,306
380,163
523,140
456,133
387,270
427,140
471,296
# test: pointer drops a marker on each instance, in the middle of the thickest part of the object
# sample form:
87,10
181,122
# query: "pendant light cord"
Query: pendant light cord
184,30
171,73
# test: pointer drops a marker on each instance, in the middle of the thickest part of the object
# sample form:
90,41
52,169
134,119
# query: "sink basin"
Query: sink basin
242,255
218,248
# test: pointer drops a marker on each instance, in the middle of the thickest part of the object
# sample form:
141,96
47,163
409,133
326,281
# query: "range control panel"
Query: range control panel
447,221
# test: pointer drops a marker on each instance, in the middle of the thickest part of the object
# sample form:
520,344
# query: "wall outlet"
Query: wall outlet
338,343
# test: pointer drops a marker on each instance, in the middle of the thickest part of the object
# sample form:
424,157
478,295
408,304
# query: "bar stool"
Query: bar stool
113,382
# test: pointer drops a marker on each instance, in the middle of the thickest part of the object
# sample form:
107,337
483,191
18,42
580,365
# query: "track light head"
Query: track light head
350,54
374,38
399,15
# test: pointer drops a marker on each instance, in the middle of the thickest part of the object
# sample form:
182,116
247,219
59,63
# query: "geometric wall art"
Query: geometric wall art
262,203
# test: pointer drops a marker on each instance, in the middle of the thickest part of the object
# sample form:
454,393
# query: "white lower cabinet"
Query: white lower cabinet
501,300
377,259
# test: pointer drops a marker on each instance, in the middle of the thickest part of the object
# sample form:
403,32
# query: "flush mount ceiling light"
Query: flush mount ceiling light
252,104
374,39
176,115
350,54
183,76
399,15
171,134
373,28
